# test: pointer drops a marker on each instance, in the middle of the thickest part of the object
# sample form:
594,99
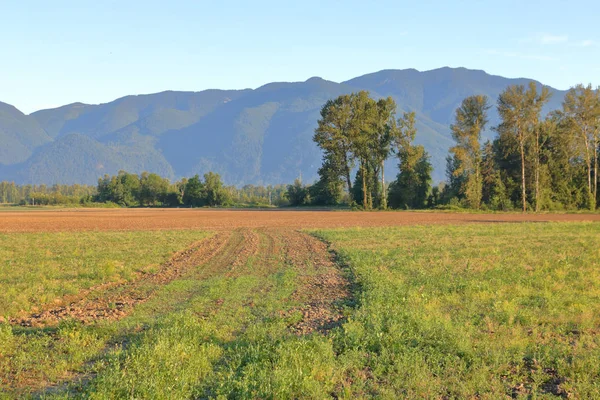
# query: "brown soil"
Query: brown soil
324,288
157,219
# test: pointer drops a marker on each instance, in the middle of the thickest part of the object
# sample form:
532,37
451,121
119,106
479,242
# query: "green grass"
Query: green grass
208,333
37,268
475,310
470,311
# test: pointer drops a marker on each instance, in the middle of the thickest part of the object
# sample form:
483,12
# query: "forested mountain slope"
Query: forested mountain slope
248,136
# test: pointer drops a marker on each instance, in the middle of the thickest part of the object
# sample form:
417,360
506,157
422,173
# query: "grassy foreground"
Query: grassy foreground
479,310
38,268
472,311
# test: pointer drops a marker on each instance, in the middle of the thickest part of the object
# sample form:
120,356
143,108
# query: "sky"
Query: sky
58,52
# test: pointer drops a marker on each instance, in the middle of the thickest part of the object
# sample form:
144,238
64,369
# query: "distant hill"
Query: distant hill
256,136
20,135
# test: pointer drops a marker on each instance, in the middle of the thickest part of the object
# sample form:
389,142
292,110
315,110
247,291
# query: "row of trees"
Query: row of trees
11,193
148,189
536,162
539,163
260,196
359,133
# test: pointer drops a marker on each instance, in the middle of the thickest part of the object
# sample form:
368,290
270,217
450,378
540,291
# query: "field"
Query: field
168,219
298,304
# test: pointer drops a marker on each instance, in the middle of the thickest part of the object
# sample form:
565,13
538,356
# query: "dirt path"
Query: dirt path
322,288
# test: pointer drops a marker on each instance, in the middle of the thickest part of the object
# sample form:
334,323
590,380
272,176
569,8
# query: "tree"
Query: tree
470,121
354,128
581,108
328,189
180,188
364,115
519,111
214,192
122,189
297,194
152,189
413,183
334,135
412,187
542,132
383,133
194,192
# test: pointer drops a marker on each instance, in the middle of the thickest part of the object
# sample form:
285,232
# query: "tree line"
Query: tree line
146,190
535,162
11,193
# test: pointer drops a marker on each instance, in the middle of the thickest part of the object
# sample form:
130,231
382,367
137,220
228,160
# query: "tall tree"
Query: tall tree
413,183
519,111
384,131
542,132
364,110
537,131
470,121
582,109
335,135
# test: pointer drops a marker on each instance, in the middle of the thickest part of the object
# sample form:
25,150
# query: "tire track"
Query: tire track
115,301
323,288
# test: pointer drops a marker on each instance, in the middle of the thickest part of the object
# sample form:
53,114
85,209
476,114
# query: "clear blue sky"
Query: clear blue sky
58,52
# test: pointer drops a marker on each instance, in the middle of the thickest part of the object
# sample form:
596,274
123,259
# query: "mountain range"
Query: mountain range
259,136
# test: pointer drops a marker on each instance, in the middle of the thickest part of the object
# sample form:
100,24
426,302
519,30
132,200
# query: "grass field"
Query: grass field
39,268
431,311
489,311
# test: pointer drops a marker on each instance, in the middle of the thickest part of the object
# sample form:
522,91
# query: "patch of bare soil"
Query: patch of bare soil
114,301
552,385
324,289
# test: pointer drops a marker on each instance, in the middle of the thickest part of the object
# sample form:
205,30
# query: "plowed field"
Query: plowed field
156,219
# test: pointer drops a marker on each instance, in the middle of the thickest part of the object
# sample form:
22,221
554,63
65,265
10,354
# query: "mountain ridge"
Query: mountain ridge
249,136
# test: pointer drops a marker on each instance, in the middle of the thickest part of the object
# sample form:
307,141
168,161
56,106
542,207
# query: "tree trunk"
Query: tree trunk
537,173
588,160
537,186
347,172
383,191
478,182
364,185
523,189
595,172
589,176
